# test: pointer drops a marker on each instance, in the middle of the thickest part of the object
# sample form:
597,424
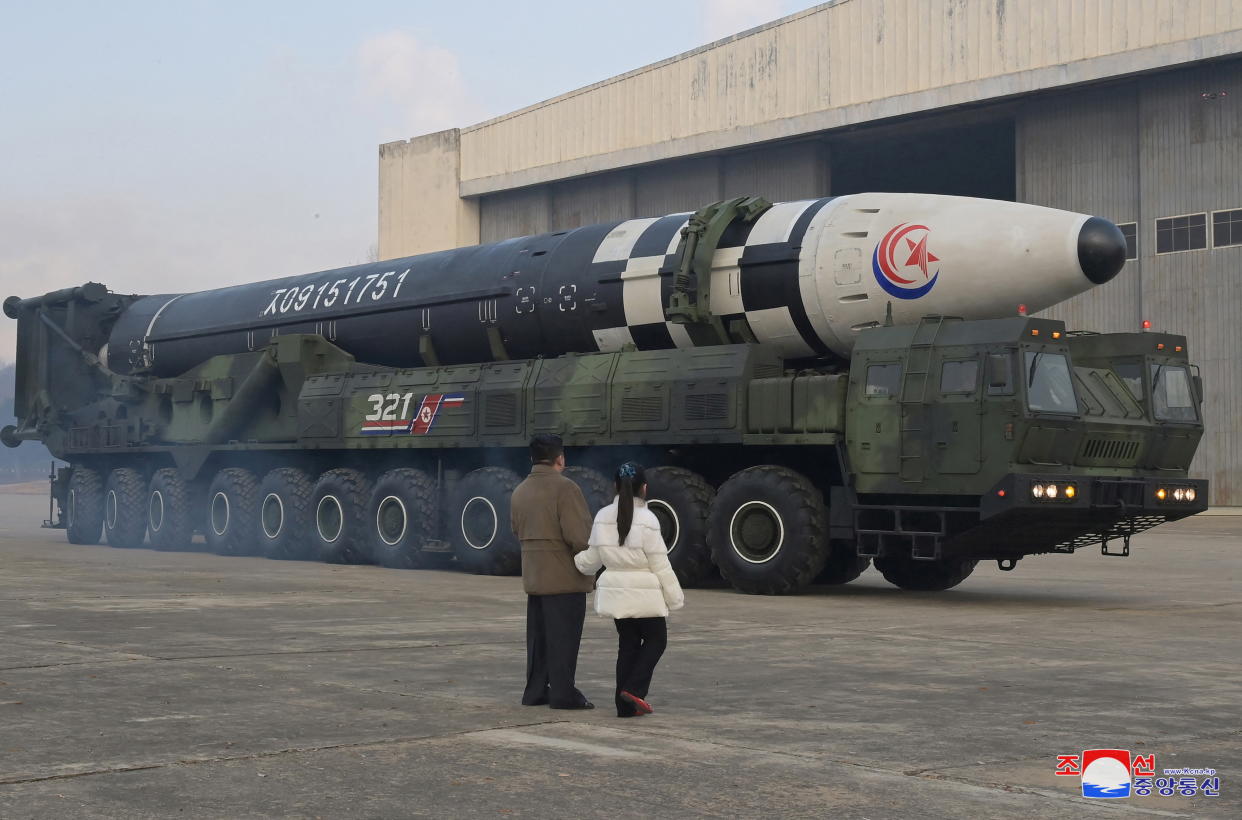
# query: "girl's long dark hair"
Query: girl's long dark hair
629,479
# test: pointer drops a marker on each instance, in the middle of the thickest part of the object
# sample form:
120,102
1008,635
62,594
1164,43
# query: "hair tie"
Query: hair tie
627,470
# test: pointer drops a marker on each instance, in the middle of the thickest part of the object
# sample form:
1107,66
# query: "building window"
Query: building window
1226,228
1181,233
1130,231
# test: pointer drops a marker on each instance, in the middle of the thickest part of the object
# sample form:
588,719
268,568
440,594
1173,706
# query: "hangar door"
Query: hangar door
975,160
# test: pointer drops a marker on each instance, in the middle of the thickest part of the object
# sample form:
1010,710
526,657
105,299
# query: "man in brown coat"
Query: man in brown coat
551,519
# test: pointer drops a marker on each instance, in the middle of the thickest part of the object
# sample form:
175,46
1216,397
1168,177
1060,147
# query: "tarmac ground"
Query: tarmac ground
135,683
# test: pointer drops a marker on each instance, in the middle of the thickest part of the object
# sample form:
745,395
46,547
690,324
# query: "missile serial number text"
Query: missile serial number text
375,286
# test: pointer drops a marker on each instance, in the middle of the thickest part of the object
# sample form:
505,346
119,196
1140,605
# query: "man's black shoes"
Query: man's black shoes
586,704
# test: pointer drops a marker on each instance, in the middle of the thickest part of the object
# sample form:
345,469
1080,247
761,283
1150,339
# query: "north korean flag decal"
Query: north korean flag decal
429,411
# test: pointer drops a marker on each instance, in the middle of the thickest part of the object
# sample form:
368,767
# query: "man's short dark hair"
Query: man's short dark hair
545,448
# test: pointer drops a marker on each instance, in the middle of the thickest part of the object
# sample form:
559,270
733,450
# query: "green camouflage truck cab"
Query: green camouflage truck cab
997,439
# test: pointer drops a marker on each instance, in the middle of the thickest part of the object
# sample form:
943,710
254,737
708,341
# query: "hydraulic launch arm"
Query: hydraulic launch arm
691,305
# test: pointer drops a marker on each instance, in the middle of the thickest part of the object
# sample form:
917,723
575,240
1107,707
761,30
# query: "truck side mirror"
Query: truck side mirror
1198,388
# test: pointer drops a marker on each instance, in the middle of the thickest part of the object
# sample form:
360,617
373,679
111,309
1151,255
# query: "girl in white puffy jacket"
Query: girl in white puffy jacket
638,587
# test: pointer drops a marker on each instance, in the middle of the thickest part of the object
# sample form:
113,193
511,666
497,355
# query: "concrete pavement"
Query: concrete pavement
143,684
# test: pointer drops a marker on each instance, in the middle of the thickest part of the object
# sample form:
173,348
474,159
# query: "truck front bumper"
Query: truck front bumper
1021,516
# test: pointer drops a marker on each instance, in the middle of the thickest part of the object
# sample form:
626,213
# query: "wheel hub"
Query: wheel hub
390,520
110,511
757,532
273,515
220,513
670,526
155,511
479,522
329,518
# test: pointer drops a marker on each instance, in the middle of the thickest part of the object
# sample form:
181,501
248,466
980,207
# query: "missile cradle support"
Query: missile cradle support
813,386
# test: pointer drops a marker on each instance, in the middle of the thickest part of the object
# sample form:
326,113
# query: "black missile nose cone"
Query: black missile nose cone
1101,249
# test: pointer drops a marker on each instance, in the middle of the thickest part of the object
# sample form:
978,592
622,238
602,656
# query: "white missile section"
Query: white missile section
810,275
925,254
863,255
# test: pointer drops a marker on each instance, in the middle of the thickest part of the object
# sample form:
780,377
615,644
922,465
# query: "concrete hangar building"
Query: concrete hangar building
1128,109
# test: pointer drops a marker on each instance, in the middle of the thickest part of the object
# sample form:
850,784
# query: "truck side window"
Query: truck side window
959,377
1132,374
1000,374
883,380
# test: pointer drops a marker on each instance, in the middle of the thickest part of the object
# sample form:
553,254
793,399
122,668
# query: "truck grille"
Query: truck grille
705,406
1110,451
500,410
635,409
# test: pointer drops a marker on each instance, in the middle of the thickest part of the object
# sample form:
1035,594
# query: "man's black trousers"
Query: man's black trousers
553,633
640,643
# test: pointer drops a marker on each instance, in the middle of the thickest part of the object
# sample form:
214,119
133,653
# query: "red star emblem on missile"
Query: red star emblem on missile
919,255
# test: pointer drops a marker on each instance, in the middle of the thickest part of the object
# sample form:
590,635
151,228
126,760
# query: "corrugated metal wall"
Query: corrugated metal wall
838,56
780,172
1137,152
1079,152
589,201
672,187
515,213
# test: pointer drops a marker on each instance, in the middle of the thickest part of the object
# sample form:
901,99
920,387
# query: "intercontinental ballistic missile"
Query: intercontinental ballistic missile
805,277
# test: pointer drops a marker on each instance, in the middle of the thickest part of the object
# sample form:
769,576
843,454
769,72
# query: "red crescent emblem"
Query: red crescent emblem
919,255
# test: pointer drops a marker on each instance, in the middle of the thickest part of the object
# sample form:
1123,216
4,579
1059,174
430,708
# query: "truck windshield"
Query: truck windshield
1171,396
1049,388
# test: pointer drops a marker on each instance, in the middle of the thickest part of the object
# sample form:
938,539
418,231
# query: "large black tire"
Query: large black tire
768,530
341,529
401,517
596,488
84,506
844,563
681,501
231,501
478,523
125,510
923,576
168,511
283,517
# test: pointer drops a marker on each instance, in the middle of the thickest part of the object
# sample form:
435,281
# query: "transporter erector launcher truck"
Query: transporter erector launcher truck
813,386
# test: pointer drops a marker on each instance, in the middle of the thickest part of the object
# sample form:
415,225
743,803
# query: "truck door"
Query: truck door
956,432
874,416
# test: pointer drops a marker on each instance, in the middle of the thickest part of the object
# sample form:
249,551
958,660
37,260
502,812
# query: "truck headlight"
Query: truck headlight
1053,491
1190,494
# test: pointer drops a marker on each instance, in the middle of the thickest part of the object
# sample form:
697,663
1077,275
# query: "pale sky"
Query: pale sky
177,146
